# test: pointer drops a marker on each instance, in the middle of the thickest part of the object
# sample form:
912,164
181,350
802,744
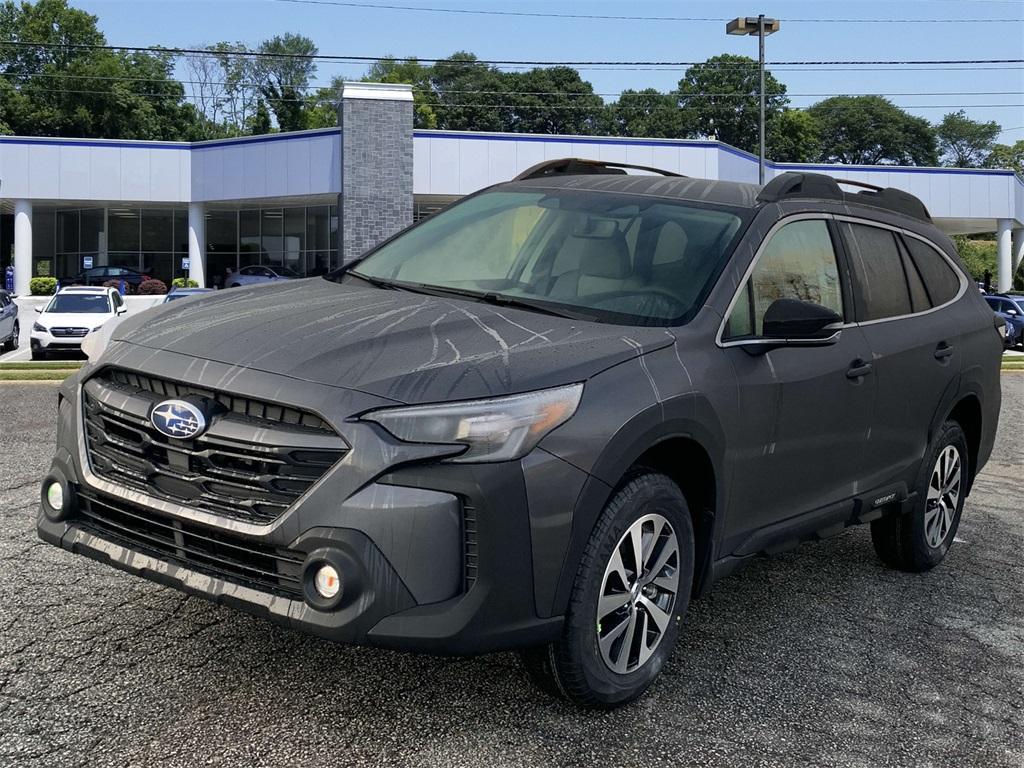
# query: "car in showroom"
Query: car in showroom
176,294
254,274
10,328
544,419
71,315
101,275
1013,313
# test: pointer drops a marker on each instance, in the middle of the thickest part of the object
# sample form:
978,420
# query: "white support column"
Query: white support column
22,246
1005,280
197,243
1016,248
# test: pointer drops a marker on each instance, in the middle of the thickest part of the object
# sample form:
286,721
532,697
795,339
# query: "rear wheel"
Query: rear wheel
920,539
631,591
11,344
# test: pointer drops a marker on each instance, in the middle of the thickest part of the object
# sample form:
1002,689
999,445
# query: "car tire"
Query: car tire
12,343
919,540
39,354
233,285
607,660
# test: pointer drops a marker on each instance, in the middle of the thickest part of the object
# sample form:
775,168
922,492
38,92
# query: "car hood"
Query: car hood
407,347
72,319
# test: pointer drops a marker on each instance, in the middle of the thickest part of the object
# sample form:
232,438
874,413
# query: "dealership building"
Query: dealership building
310,200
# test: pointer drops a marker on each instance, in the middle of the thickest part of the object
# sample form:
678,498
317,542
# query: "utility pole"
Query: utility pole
762,27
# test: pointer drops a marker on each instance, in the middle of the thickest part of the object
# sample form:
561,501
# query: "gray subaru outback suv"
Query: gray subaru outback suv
544,419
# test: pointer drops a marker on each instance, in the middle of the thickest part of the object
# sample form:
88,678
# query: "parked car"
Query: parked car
101,275
10,328
1013,314
70,316
184,293
259,274
544,419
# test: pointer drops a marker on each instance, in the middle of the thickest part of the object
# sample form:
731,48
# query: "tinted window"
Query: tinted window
799,262
618,257
880,284
940,280
919,300
79,303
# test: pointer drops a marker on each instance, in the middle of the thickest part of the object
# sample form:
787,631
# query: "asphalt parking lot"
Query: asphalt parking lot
816,657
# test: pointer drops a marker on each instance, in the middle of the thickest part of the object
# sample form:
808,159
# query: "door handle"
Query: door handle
858,369
943,351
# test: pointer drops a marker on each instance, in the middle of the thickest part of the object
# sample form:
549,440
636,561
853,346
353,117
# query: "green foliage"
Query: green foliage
872,130
553,100
184,282
719,98
259,123
42,286
1007,156
284,76
978,256
152,287
470,96
410,71
794,136
646,113
965,143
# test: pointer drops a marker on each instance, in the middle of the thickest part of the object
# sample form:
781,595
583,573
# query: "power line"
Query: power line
609,17
246,53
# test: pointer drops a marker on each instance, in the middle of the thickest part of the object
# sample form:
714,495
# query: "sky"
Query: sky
996,32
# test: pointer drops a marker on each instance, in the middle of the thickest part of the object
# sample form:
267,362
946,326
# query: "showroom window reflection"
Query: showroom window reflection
154,241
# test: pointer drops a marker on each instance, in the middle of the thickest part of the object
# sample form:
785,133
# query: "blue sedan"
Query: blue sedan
259,274
1013,313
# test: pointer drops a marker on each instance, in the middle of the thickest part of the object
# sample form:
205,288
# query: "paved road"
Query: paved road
816,657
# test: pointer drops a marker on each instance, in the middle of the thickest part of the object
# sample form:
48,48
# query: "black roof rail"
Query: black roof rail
579,166
793,184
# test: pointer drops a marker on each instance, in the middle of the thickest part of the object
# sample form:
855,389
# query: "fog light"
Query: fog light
327,582
55,496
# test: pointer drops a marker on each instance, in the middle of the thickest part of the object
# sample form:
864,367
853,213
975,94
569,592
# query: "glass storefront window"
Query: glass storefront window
180,244
272,240
249,237
157,230
67,231
222,232
123,224
93,237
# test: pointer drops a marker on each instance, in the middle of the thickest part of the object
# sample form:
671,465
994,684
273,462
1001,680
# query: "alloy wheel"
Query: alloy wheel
944,490
638,594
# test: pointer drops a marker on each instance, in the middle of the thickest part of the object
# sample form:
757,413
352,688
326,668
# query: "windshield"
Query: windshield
79,304
611,257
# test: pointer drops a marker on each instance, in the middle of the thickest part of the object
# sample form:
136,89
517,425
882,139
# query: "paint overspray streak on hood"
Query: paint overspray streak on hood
404,346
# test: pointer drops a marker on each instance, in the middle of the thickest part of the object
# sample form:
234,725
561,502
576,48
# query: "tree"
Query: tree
719,98
872,130
553,100
648,113
241,88
259,121
965,143
391,70
794,136
284,70
1007,156
470,96
74,89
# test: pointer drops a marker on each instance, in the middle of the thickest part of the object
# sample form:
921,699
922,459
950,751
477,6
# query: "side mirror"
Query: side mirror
1012,312
120,310
791,320
39,310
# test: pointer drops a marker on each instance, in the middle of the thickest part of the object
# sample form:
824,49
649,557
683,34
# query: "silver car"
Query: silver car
258,274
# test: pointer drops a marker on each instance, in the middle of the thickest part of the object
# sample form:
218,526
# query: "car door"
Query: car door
804,412
900,285
8,310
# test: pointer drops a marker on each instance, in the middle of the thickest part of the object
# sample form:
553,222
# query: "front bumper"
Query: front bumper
438,557
47,341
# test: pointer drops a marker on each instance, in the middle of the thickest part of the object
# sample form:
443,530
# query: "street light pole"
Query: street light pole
762,27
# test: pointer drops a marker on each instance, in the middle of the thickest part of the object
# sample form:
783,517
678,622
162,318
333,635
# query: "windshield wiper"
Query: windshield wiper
502,300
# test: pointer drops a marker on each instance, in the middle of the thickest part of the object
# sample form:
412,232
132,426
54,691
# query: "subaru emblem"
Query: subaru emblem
178,419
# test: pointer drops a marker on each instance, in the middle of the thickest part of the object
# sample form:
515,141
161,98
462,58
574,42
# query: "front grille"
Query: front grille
254,461
68,332
214,552
469,546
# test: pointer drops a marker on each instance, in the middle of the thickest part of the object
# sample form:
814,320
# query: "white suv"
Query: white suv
70,316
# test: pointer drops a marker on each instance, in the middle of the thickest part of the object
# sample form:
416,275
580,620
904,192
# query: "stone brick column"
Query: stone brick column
376,164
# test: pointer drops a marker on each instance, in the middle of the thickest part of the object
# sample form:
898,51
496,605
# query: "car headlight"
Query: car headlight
96,341
40,328
496,429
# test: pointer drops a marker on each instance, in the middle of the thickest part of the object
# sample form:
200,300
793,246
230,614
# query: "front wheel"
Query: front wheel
630,594
919,540
39,354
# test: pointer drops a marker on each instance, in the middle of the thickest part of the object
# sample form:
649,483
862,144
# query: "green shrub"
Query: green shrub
43,286
184,282
152,287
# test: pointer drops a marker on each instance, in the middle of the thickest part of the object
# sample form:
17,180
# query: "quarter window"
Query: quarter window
940,280
880,282
799,262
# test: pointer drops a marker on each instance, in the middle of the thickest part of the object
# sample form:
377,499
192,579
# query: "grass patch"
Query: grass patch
52,375
62,365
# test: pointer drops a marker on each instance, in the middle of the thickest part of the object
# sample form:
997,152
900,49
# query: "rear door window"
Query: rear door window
940,280
880,281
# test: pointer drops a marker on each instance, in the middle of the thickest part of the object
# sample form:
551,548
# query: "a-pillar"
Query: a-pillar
376,164
22,246
197,243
